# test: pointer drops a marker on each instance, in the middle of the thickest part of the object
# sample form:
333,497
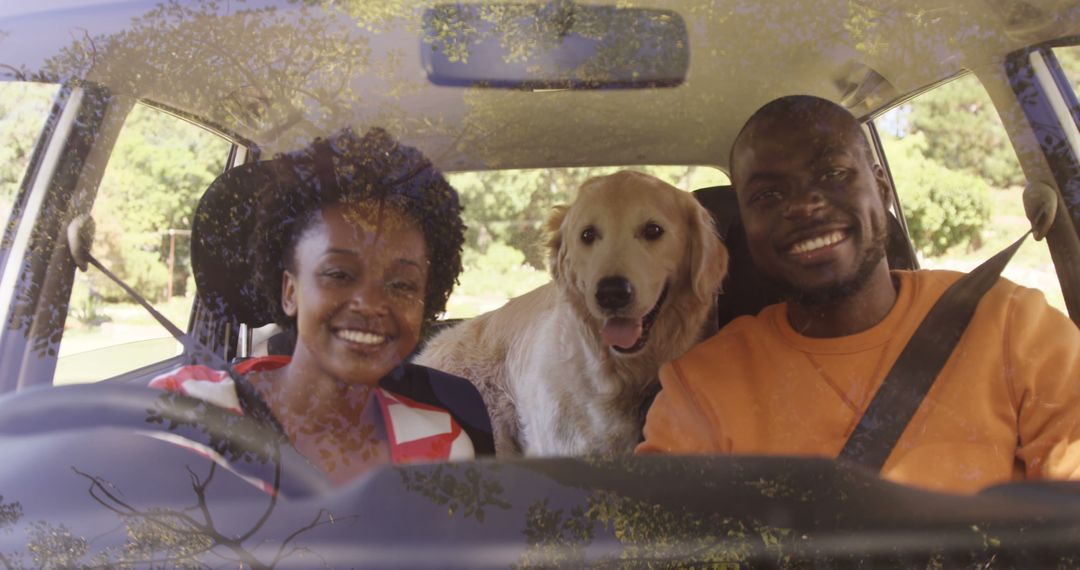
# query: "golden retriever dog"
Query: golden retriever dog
636,266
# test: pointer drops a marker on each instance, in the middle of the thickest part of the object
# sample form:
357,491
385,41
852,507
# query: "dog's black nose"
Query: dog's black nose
614,292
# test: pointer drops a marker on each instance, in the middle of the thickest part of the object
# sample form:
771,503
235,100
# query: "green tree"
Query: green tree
963,132
159,169
944,207
24,107
510,206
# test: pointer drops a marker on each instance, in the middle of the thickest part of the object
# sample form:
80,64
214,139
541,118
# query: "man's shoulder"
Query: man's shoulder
1007,306
936,281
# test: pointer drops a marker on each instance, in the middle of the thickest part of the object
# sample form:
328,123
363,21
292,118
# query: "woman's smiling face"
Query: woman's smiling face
356,288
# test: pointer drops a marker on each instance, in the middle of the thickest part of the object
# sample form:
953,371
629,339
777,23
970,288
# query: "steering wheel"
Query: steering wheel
243,444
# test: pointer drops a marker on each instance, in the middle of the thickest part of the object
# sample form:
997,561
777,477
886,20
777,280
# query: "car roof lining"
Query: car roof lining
823,47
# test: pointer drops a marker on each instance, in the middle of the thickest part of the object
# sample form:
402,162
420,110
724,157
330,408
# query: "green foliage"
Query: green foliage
944,207
499,272
159,169
963,132
24,107
86,305
505,212
510,206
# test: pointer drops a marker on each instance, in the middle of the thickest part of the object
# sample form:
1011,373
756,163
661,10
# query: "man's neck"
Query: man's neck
856,313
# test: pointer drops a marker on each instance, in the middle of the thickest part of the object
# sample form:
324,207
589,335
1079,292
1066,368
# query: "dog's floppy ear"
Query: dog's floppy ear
555,238
708,256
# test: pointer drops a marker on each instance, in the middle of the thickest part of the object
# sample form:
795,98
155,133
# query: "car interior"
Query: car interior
224,221
691,123
269,77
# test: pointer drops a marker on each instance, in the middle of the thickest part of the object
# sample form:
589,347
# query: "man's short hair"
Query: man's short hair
804,108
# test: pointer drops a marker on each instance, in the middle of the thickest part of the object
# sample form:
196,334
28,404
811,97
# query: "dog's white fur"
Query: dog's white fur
551,384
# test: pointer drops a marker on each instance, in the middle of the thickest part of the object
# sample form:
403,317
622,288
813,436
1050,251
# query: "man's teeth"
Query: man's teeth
818,242
361,337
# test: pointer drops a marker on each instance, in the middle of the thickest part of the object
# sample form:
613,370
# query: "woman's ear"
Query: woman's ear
288,294
556,253
708,256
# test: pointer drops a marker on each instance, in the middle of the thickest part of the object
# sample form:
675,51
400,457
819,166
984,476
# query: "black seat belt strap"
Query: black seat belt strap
909,380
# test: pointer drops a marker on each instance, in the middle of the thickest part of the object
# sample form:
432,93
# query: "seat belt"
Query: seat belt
80,237
909,380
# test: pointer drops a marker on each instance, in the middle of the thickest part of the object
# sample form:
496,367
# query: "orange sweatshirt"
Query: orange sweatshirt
1006,405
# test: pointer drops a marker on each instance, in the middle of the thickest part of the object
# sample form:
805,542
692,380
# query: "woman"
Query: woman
357,246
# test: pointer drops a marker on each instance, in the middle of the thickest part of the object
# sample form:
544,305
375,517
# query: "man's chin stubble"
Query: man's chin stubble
834,293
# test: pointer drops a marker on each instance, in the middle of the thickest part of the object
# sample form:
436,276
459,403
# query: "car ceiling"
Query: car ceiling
278,74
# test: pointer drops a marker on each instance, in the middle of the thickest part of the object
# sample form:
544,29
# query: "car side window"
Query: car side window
159,168
960,185
24,108
1069,59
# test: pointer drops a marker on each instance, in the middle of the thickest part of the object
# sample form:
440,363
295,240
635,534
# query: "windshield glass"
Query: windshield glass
318,283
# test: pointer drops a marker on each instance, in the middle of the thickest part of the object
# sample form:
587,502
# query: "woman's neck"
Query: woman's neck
302,385
335,425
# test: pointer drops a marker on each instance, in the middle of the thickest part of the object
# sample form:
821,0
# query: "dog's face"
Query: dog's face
627,245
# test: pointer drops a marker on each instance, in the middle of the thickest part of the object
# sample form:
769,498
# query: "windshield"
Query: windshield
275,270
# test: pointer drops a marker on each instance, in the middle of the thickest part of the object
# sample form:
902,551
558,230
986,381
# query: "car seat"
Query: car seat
221,255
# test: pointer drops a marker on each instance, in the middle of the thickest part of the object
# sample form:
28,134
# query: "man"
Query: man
796,378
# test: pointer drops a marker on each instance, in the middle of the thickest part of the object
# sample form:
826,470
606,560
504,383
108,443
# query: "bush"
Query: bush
944,208
501,271
963,132
87,306
134,258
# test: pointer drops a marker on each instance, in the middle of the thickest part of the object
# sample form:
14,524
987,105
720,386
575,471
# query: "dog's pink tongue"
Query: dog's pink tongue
621,332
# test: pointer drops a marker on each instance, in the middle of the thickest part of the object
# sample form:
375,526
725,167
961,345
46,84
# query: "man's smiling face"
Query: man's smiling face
812,202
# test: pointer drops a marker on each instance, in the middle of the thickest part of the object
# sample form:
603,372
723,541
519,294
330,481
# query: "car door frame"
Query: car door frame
1052,112
61,182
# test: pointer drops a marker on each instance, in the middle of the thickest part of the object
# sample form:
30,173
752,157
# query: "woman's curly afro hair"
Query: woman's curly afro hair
346,168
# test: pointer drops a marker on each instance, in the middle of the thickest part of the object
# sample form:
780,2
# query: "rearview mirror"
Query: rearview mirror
558,45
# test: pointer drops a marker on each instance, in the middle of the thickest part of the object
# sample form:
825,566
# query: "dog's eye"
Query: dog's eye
589,235
652,231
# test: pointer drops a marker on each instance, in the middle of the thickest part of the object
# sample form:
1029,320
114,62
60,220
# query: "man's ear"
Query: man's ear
288,294
556,253
884,188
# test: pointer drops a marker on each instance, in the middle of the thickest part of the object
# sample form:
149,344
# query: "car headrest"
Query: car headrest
221,255
746,292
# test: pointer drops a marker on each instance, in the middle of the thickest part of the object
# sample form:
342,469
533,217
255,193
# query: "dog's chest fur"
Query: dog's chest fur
584,398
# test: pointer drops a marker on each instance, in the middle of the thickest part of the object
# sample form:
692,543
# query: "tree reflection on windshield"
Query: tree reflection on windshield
171,535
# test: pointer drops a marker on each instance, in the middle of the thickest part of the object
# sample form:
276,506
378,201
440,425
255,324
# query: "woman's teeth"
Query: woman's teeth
361,337
817,243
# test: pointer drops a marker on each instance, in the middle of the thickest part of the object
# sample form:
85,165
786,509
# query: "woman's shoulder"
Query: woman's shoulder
437,388
208,384
424,384
215,386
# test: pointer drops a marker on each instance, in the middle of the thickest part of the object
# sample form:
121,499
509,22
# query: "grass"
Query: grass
129,339
480,291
